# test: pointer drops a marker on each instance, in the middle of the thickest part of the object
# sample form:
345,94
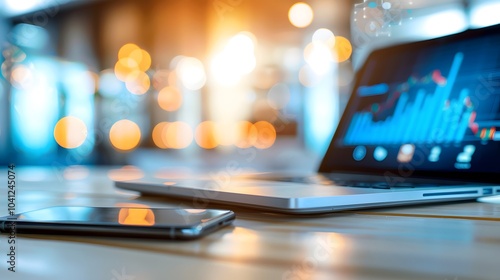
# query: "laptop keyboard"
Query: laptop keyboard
348,183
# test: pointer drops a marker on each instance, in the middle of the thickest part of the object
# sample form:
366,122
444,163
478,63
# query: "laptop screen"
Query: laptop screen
428,108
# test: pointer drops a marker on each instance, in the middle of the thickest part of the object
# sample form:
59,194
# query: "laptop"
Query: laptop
422,126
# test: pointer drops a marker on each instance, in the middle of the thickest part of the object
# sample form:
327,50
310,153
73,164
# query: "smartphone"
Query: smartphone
164,223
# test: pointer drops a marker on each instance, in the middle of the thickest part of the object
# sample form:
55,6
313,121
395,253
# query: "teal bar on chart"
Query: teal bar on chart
425,119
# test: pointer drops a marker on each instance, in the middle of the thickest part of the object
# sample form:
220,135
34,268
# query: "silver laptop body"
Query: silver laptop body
420,127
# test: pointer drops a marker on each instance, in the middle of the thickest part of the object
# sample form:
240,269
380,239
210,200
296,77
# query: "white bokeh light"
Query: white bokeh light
235,60
191,73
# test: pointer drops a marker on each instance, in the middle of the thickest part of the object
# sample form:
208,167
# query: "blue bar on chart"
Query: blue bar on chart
426,119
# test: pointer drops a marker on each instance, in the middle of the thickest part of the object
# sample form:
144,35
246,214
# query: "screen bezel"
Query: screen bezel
332,164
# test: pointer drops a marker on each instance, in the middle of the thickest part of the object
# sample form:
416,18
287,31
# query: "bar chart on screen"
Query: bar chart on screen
429,109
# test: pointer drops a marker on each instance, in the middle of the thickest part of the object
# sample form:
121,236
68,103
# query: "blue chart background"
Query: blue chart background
443,93
411,121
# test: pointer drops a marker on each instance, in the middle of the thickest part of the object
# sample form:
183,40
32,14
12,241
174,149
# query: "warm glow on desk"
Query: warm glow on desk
128,172
76,172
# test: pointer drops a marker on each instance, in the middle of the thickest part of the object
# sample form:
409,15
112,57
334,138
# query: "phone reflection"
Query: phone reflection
136,217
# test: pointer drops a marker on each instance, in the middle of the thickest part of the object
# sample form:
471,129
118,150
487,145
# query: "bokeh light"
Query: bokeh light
14,54
191,73
266,135
142,58
205,135
179,135
169,99
124,67
342,49
126,50
324,36
22,77
243,44
138,83
159,134
224,71
300,15
125,135
236,60
70,132
226,133
319,57
131,66
247,135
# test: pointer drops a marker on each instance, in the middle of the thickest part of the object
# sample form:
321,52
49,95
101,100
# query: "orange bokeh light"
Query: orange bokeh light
70,132
226,133
300,15
342,49
179,135
159,134
131,66
205,135
125,135
124,68
169,99
138,83
142,58
22,77
266,135
126,50
247,135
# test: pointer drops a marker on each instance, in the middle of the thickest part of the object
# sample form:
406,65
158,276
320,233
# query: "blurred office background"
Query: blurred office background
154,82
